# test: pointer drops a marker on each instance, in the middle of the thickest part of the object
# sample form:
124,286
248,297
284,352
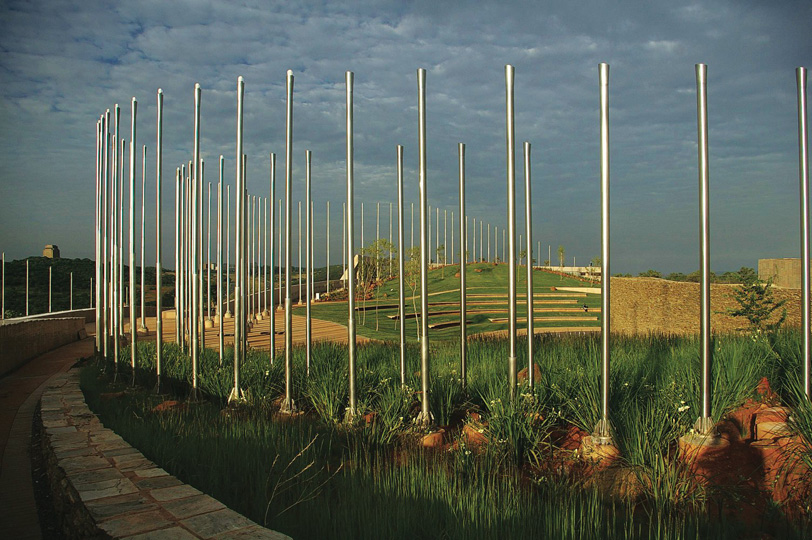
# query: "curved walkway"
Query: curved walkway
20,392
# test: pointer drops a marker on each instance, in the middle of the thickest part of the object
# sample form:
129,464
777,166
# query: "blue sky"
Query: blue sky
62,63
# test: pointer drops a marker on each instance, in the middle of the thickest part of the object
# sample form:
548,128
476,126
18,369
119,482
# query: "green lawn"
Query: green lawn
482,279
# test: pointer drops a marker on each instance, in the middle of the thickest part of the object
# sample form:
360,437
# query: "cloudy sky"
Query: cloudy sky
63,63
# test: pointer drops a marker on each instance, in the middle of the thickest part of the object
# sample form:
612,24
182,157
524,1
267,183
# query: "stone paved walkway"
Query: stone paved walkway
20,392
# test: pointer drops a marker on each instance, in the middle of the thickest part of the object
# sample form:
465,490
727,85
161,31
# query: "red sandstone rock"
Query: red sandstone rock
169,406
473,437
522,375
433,440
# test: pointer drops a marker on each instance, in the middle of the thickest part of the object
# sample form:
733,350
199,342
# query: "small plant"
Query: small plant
758,305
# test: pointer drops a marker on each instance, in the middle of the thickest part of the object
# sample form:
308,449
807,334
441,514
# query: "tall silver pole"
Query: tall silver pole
704,424
445,235
352,409
327,263
133,318
489,243
308,263
288,405
377,243
220,317
197,186
143,232
105,285
227,233
528,231
121,291
425,417
279,221
411,224
344,239
265,260
352,263
481,242
97,231
239,263
115,203
50,287
473,240
271,300
463,234
602,433
401,284
452,237
803,174
249,287
26,288
3,295
390,240
178,240
299,268
208,260
159,328
71,291
511,196
199,227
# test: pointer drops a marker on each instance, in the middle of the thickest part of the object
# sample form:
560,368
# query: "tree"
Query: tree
758,305
650,273
561,256
441,257
522,255
411,277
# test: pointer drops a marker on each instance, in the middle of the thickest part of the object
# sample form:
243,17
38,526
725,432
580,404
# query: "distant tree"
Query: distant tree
561,254
676,276
650,273
441,257
522,255
546,262
757,304
411,277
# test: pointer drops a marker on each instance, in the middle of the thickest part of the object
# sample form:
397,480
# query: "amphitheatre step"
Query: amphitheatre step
588,290
543,319
446,324
395,317
535,295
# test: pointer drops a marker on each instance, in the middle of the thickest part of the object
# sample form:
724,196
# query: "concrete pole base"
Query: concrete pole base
599,450
208,323
228,315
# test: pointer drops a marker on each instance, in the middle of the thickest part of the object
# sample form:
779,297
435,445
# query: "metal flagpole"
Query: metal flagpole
71,291
178,279
602,434
288,405
344,241
105,277
265,260
377,243
209,320
473,239
121,292
528,231
197,186
26,287
159,328
481,242
489,243
463,234
299,268
279,221
219,277
425,417
803,174
511,196
115,202
227,233
97,231
272,311
411,224
133,319
3,295
143,326
452,237
308,263
328,248
199,227
704,424
353,404
390,240
239,266
50,282
401,287
445,236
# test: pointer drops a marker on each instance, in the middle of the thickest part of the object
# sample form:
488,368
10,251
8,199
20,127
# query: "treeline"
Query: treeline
743,275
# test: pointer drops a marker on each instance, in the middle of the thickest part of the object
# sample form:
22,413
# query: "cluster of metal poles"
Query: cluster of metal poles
257,226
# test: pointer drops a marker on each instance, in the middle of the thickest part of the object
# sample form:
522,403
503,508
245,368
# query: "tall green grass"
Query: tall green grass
368,480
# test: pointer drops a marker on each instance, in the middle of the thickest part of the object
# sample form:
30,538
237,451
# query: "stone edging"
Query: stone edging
104,488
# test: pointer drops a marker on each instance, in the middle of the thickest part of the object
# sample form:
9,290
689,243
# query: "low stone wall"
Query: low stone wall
20,341
104,488
659,306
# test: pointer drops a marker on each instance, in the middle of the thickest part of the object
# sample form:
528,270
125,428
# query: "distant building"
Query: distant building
784,272
51,252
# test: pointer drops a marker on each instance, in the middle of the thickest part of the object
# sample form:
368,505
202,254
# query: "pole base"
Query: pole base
236,396
208,324
350,416
705,425
288,407
228,315
424,419
600,434
599,449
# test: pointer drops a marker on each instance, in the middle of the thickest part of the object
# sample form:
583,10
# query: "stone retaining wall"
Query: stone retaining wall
104,488
20,341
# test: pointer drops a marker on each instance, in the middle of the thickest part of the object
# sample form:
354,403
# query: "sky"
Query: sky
63,63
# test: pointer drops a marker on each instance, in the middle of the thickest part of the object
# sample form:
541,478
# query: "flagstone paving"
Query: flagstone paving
111,487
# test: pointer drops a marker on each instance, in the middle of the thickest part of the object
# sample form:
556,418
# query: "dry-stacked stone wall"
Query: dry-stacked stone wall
104,488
